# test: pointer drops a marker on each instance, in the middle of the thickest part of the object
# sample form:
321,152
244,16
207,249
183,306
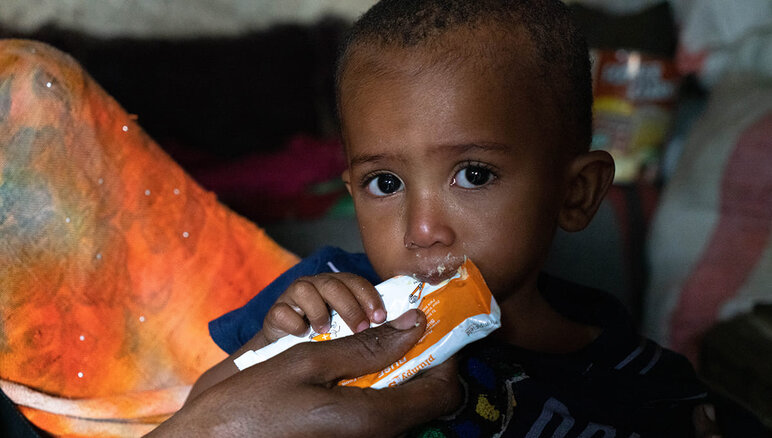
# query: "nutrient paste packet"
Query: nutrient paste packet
458,311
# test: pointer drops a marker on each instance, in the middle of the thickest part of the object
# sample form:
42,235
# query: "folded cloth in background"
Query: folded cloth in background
112,259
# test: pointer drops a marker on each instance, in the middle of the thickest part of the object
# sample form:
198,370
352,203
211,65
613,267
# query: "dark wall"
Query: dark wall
223,96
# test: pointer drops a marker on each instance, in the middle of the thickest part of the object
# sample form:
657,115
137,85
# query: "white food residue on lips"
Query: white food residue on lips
443,270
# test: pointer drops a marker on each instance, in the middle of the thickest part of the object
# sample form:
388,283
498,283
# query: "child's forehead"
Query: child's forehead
383,72
484,46
506,58
386,118
438,107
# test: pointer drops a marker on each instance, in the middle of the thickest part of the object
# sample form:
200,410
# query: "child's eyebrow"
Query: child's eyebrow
466,147
444,149
367,158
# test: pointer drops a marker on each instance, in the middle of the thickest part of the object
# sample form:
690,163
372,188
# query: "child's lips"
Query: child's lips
438,271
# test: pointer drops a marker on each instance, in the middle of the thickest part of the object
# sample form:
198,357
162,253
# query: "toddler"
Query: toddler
467,127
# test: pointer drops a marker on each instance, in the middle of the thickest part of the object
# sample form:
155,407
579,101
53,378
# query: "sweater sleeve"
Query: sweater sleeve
235,328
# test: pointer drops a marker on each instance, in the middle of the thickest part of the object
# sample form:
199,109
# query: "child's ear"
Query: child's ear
346,177
590,176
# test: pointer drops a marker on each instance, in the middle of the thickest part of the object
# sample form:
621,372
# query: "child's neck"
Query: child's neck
528,321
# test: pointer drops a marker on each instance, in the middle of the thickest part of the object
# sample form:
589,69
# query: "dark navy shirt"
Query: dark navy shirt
621,385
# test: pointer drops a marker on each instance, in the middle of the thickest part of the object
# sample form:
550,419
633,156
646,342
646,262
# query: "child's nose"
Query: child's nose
427,224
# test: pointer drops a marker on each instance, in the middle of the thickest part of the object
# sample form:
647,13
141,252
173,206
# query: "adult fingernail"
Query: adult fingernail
406,321
710,412
379,316
364,325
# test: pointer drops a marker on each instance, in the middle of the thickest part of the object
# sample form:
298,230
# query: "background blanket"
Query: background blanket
112,260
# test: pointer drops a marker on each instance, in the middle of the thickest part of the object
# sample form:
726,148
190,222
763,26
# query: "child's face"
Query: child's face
447,162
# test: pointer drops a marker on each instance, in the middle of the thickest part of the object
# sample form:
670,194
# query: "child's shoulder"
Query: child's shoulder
631,390
621,381
620,348
334,259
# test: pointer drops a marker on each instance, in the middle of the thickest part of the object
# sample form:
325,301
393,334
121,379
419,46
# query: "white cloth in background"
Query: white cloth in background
710,247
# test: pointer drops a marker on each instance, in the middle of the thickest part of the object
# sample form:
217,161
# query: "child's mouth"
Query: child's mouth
440,270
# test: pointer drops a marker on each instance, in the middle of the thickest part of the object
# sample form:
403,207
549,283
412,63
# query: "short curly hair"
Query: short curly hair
562,60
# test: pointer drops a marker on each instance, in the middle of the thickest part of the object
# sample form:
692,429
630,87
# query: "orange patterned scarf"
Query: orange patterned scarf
112,260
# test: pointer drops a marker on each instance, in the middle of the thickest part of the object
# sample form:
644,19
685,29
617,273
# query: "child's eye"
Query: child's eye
384,184
471,177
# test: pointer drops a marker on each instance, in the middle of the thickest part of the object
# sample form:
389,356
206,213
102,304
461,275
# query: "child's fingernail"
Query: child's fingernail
406,321
710,412
379,316
364,325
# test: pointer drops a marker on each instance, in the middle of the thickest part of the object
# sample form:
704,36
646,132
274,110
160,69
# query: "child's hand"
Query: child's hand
704,418
309,300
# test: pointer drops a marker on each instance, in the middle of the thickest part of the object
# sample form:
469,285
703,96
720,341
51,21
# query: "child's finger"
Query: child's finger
369,299
704,418
338,295
281,320
305,294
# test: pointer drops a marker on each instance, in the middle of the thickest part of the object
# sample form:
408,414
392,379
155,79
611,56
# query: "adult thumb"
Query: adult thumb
368,351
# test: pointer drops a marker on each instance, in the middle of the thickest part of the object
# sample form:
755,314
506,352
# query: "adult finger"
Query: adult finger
324,363
434,393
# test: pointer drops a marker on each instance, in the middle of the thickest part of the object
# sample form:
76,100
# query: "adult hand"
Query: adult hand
295,393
